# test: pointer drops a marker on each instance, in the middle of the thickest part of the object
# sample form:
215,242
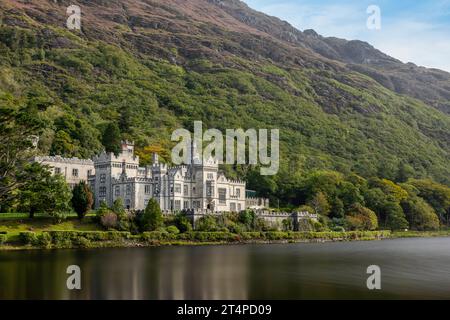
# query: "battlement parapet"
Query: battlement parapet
59,159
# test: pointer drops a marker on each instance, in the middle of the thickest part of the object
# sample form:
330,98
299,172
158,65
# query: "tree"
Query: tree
126,119
361,218
44,192
405,171
119,209
146,154
206,223
63,145
82,199
320,204
437,195
421,216
18,124
111,138
392,191
152,218
375,199
395,217
182,223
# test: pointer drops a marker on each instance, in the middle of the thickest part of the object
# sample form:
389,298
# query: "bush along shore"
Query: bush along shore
99,239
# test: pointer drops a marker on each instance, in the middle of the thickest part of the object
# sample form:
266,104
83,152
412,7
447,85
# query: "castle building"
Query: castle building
74,170
199,187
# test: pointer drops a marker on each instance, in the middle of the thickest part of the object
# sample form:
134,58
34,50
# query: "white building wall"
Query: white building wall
178,188
74,170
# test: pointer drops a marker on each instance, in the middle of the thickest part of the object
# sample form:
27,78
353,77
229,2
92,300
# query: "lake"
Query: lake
410,269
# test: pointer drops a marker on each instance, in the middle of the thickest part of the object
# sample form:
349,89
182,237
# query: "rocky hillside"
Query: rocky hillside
429,85
152,66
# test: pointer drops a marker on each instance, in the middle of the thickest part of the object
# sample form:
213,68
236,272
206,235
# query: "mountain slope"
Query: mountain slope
429,85
153,66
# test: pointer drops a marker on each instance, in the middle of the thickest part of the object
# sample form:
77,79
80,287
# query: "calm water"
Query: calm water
411,268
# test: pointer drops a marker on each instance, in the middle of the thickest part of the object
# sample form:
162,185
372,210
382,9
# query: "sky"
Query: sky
415,31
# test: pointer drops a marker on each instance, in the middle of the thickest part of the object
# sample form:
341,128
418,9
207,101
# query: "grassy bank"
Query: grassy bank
20,232
420,234
93,239
11,225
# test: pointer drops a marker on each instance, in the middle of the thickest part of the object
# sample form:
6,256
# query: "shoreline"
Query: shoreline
54,240
106,245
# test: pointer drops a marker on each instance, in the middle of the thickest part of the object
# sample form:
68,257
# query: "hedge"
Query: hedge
157,235
3,238
190,236
69,239
208,236
310,235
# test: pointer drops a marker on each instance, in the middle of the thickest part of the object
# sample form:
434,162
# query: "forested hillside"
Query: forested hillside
154,66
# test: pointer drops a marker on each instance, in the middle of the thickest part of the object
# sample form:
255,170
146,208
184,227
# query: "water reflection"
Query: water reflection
411,268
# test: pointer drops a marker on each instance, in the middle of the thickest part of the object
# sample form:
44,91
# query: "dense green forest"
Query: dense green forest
347,143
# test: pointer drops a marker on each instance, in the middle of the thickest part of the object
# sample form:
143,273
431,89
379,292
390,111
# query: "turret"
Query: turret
128,147
155,158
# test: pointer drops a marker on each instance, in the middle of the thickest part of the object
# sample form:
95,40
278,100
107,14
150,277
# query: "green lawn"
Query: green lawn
20,215
14,223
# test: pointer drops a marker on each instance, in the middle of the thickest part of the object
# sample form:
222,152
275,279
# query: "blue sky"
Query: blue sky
415,31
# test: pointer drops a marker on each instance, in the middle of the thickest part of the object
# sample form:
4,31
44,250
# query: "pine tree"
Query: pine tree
152,218
82,199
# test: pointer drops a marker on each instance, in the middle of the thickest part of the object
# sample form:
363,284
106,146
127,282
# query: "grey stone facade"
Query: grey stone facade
73,170
195,186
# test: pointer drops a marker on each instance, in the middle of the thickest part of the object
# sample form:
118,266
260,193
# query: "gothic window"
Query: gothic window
239,207
147,189
233,206
128,189
238,193
156,190
186,205
75,172
102,178
209,189
102,191
117,191
185,190
177,205
222,195
57,170
210,176
177,188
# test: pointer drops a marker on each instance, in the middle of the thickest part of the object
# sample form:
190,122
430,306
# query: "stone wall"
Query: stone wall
272,217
